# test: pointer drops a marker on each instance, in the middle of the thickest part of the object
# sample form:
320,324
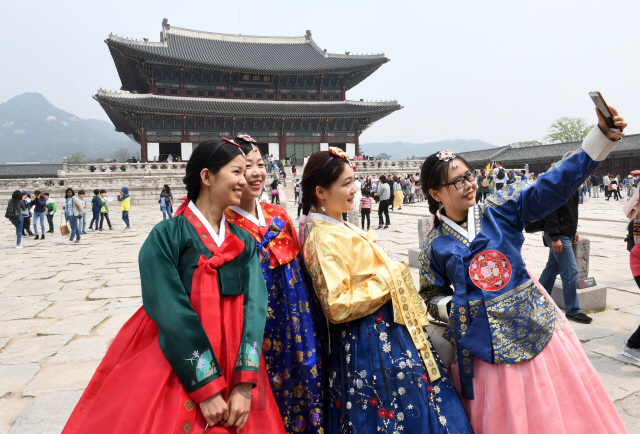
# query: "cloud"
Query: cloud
51,118
19,131
64,123
7,124
74,118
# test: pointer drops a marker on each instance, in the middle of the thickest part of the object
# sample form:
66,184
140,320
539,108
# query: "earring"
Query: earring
323,208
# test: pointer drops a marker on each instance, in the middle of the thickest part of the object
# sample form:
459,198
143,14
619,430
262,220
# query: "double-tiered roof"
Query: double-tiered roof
194,84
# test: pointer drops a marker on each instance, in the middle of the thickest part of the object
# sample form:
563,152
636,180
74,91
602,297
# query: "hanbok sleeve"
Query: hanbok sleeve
180,333
435,288
255,316
526,202
344,295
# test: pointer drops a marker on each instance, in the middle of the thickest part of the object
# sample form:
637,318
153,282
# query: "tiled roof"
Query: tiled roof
11,171
629,145
243,53
230,107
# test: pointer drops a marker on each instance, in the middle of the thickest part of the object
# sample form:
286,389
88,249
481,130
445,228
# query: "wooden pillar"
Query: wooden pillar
282,147
357,143
143,147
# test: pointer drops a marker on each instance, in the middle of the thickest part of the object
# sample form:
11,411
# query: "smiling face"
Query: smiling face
255,174
226,186
456,202
339,197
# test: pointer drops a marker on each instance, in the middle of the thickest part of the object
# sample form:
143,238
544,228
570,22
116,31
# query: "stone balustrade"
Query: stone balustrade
121,169
385,167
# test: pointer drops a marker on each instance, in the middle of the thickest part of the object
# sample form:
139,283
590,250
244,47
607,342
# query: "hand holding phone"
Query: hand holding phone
611,124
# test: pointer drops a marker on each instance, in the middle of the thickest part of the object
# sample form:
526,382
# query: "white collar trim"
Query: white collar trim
256,221
454,225
325,218
217,238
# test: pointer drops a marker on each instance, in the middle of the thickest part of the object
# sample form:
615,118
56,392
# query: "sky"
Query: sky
498,71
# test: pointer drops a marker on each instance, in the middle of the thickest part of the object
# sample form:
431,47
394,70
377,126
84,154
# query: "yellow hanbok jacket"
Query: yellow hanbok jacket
354,276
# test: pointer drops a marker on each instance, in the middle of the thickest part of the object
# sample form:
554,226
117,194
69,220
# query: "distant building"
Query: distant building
194,86
623,159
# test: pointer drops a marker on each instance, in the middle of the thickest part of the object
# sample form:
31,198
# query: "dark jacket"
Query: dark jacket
564,220
96,204
39,204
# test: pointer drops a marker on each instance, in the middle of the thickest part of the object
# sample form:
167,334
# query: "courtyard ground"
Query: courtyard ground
61,306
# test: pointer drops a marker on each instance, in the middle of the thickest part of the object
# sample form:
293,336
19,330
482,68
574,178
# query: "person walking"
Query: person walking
73,212
39,204
501,176
82,223
613,188
51,210
125,206
15,213
275,194
296,191
398,196
596,186
589,183
383,193
166,202
104,210
560,234
26,225
365,208
96,204
606,182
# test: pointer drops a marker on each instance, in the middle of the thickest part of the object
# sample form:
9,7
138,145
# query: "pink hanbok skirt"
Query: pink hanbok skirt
557,392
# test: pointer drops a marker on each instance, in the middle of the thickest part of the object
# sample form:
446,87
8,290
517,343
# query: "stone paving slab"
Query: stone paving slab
82,350
76,325
15,328
47,415
32,350
116,292
63,377
65,309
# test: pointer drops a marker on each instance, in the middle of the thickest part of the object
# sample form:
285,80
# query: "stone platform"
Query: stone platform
61,306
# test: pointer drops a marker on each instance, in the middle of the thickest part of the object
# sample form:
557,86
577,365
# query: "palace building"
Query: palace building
193,86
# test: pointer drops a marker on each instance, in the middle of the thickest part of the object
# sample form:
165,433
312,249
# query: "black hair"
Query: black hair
37,192
316,174
366,192
167,188
16,196
247,146
69,190
433,173
203,158
103,191
382,178
45,194
96,192
81,192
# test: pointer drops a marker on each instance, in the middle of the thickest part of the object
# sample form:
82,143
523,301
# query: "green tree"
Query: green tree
77,157
526,144
566,129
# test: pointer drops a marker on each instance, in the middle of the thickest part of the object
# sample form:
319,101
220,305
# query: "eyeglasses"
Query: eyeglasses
459,182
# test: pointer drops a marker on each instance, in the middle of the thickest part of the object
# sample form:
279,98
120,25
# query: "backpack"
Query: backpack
501,174
13,212
485,182
535,227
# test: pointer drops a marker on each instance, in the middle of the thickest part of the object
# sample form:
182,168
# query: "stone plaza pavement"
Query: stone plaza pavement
61,306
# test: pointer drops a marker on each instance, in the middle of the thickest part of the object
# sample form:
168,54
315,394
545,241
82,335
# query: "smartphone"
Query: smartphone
604,110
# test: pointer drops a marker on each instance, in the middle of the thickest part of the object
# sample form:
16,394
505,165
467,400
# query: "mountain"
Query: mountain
33,129
402,150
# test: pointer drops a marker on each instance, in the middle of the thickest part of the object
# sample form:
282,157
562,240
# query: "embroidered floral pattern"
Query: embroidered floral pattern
383,387
490,270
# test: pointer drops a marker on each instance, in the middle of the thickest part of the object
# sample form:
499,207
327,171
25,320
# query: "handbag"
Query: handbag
64,229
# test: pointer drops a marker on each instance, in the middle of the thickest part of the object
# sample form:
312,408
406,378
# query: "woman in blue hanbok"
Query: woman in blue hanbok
383,375
520,367
295,343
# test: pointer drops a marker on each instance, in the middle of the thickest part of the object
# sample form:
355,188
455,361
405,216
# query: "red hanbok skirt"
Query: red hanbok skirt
135,390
